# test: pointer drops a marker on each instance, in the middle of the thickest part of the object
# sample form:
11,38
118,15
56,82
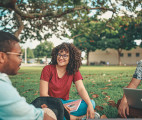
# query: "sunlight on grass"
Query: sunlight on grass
103,83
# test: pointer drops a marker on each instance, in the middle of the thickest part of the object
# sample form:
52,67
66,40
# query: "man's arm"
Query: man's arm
12,105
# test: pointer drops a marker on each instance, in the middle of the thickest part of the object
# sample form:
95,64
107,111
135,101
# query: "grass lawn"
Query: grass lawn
104,85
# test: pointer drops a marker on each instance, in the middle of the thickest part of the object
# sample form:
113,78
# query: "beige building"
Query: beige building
110,56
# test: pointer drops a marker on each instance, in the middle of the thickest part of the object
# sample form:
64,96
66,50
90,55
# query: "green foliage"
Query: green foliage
121,35
40,19
126,30
36,17
118,34
30,53
43,50
23,52
141,44
97,80
86,35
86,43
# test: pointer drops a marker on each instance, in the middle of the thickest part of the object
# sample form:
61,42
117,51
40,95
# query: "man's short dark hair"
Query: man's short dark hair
7,40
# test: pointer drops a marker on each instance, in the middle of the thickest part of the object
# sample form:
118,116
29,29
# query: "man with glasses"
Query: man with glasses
12,105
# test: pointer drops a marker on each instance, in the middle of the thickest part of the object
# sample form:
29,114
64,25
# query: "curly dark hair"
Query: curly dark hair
74,57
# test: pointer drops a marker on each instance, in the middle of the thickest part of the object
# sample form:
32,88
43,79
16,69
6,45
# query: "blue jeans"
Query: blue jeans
82,108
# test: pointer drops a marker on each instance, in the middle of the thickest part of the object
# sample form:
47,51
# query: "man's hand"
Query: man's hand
49,114
123,108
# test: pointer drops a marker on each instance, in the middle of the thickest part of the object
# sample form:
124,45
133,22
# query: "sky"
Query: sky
56,41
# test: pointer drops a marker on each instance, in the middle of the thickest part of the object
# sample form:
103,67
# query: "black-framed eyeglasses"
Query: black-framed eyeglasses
64,56
20,55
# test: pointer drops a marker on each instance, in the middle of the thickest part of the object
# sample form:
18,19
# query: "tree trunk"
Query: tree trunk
119,53
25,55
87,57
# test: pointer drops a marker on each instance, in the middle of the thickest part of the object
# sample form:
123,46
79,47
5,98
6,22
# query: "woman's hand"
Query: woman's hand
90,112
84,95
123,108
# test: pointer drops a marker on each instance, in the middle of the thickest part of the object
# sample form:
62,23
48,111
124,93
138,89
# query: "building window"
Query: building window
129,54
137,54
121,55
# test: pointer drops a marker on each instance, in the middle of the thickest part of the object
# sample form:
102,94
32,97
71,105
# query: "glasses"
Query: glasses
64,56
13,53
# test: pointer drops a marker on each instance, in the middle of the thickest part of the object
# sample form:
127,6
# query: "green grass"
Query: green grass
97,80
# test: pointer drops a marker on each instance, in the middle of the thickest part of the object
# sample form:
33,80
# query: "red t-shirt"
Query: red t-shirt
58,87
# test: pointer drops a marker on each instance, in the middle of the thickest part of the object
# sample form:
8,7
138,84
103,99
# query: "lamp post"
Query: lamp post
25,55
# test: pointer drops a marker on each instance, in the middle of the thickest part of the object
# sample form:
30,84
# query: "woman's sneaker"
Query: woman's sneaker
97,116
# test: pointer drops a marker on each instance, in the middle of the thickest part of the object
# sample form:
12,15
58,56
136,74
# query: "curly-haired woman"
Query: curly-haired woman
56,79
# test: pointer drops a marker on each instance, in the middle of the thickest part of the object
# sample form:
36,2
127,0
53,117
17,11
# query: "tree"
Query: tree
86,36
30,53
43,50
118,34
31,18
125,31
